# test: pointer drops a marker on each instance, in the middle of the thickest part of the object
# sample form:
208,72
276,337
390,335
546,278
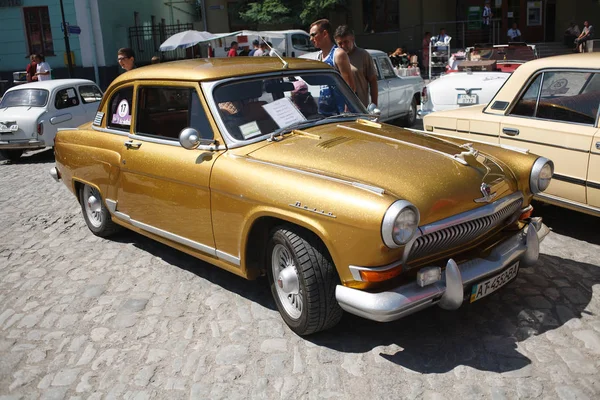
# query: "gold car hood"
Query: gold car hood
429,172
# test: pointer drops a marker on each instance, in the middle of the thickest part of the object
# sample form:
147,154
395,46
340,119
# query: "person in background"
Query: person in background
487,16
155,60
426,43
399,58
233,49
255,46
31,69
262,50
514,34
126,58
321,36
586,34
361,65
571,33
42,69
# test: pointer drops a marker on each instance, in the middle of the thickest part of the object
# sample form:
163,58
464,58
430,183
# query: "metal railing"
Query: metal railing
146,39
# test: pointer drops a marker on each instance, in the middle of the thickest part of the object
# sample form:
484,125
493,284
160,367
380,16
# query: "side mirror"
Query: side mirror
190,139
373,110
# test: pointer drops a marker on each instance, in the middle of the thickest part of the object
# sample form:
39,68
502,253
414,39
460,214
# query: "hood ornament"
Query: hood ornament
486,191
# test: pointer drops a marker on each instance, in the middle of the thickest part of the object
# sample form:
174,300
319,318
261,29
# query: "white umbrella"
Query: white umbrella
186,39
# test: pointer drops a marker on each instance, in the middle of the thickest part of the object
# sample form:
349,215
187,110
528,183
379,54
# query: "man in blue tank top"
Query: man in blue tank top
330,100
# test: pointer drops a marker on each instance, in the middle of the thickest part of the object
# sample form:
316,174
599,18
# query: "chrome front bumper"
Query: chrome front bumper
29,144
448,293
55,174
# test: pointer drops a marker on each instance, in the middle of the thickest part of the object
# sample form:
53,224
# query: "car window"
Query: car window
120,109
379,74
90,94
563,98
302,42
24,98
386,67
66,98
526,105
163,112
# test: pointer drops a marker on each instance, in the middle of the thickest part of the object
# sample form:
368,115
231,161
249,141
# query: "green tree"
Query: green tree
287,11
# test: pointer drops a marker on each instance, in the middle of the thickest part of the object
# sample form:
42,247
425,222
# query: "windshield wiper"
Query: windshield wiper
296,125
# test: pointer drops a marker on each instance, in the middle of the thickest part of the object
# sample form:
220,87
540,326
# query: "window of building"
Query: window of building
164,112
381,15
90,94
66,98
38,29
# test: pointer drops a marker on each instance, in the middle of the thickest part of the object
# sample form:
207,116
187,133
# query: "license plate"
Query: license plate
484,288
8,128
467,99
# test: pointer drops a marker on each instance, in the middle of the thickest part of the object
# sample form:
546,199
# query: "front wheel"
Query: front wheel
12,155
410,118
303,280
95,213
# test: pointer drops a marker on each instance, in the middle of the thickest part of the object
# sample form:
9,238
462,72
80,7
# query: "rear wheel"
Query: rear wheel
12,155
410,118
303,280
95,213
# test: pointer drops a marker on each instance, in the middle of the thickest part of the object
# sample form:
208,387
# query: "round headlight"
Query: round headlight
541,175
400,224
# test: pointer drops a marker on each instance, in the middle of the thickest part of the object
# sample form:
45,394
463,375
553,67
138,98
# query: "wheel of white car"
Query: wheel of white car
12,155
410,118
95,213
303,280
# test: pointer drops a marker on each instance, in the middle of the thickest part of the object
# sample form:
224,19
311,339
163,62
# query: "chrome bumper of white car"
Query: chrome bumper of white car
449,292
55,174
24,144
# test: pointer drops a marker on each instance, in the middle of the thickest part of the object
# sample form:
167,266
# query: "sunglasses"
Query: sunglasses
122,58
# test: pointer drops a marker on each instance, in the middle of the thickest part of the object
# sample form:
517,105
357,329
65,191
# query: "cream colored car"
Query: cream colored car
550,107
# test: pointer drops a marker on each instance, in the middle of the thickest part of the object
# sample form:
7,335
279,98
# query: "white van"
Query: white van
287,43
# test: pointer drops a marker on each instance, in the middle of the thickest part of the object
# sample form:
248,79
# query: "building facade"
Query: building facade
97,29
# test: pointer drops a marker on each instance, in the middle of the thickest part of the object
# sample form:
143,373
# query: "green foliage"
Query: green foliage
287,11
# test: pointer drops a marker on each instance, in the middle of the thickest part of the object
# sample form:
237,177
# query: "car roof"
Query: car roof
52,84
373,52
208,69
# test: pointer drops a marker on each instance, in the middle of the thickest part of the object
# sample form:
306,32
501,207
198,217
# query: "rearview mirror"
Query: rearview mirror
190,139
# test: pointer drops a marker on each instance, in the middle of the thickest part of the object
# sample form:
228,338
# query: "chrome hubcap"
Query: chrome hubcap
93,207
287,284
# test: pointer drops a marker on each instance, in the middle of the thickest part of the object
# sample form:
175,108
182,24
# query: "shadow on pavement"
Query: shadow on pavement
483,335
566,222
37,157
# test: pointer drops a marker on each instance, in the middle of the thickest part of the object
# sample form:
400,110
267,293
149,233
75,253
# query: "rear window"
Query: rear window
25,97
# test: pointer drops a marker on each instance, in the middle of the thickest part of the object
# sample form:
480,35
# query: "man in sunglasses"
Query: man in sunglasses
126,58
321,35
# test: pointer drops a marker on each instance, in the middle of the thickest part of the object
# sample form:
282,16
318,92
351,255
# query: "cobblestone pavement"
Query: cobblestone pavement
87,318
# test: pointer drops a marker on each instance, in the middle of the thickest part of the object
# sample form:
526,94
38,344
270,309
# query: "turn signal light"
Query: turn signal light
526,213
380,276
40,128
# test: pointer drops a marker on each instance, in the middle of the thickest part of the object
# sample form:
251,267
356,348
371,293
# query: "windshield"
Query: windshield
509,53
25,97
250,109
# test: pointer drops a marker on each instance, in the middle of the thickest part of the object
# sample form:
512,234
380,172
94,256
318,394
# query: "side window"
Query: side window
302,42
386,67
377,69
526,105
66,98
120,109
565,99
90,94
163,112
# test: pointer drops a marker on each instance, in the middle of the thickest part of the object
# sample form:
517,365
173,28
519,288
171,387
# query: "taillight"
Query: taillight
40,128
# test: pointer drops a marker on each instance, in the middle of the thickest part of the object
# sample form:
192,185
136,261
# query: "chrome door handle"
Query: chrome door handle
510,131
131,145
598,145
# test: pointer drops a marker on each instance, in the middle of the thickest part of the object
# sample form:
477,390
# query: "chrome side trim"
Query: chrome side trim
471,215
567,203
450,156
228,257
112,205
502,146
373,189
113,131
168,235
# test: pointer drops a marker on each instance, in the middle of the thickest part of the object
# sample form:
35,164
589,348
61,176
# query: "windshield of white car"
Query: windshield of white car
250,109
25,98
501,53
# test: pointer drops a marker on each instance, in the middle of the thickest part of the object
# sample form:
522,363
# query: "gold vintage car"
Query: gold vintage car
549,106
235,162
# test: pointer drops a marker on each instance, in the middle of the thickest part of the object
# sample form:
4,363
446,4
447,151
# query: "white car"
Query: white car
30,114
474,86
398,95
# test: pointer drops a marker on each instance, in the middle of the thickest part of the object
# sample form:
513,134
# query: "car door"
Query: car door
383,89
164,188
69,113
593,180
90,95
397,89
556,118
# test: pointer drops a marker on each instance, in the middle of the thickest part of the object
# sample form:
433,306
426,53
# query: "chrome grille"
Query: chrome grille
456,235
